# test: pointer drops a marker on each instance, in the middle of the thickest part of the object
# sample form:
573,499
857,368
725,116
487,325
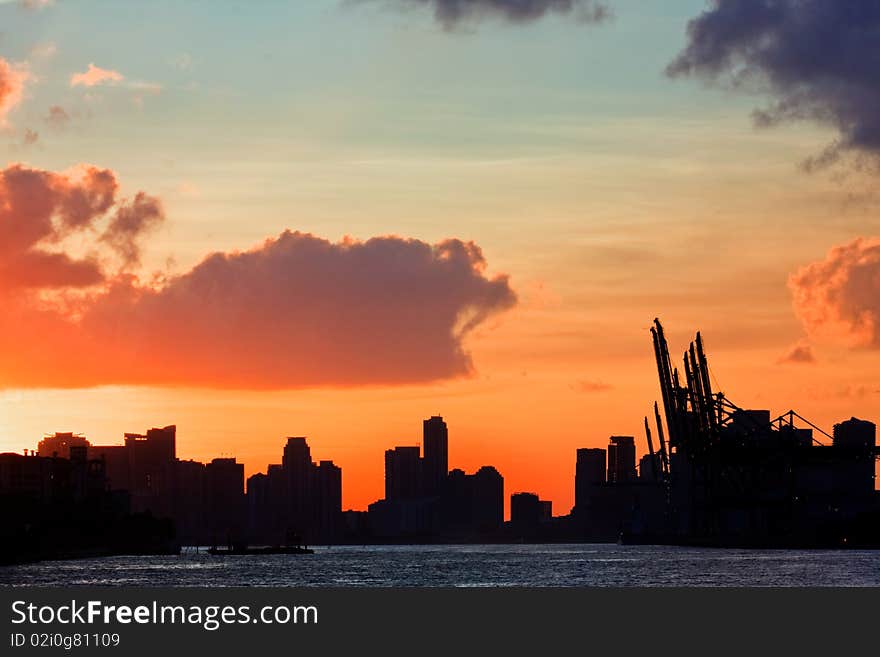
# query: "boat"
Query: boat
243,550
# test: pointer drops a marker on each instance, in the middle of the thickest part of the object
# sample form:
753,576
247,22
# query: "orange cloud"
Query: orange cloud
840,295
12,82
95,75
295,311
40,209
592,386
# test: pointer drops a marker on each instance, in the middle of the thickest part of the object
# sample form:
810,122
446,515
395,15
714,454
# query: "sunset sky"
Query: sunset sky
336,218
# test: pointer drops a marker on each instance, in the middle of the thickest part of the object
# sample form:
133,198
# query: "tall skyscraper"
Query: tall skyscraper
151,464
589,472
328,500
402,473
858,437
488,499
436,462
621,459
297,465
224,498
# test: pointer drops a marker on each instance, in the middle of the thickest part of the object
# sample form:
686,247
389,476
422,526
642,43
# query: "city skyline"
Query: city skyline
473,215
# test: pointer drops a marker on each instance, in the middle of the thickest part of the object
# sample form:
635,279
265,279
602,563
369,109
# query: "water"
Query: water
470,565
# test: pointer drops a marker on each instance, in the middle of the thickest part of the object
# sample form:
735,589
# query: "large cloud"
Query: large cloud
294,311
40,210
12,81
452,12
817,59
840,295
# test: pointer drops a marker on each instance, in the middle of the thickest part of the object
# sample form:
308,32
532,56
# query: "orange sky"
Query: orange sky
480,224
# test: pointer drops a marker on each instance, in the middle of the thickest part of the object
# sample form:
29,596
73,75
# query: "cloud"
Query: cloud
451,13
57,117
40,210
45,50
801,353
12,81
35,5
95,75
592,386
816,59
30,137
840,295
295,311
131,222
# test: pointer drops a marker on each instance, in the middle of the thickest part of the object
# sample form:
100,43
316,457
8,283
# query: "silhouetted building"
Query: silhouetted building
435,440
151,464
473,504
355,525
403,469
190,506
546,510
589,472
117,465
649,468
423,499
59,444
527,511
224,500
856,433
403,519
488,499
296,500
327,495
621,459
55,508
297,465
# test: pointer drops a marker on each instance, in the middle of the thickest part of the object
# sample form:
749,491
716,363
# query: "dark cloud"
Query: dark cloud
453,12
840,295
817,59
801,353
130,223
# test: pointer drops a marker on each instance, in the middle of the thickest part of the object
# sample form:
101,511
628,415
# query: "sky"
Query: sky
335,219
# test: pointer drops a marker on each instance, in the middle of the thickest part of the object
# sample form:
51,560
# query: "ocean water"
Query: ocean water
469,565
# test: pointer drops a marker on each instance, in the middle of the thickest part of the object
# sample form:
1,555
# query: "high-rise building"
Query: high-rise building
435,438
855,433
589,472
297,465
525,510
488,499
189,503
224,500
621,459
297,500
649,468
151,463
473,503
403,473
327,496
857,477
